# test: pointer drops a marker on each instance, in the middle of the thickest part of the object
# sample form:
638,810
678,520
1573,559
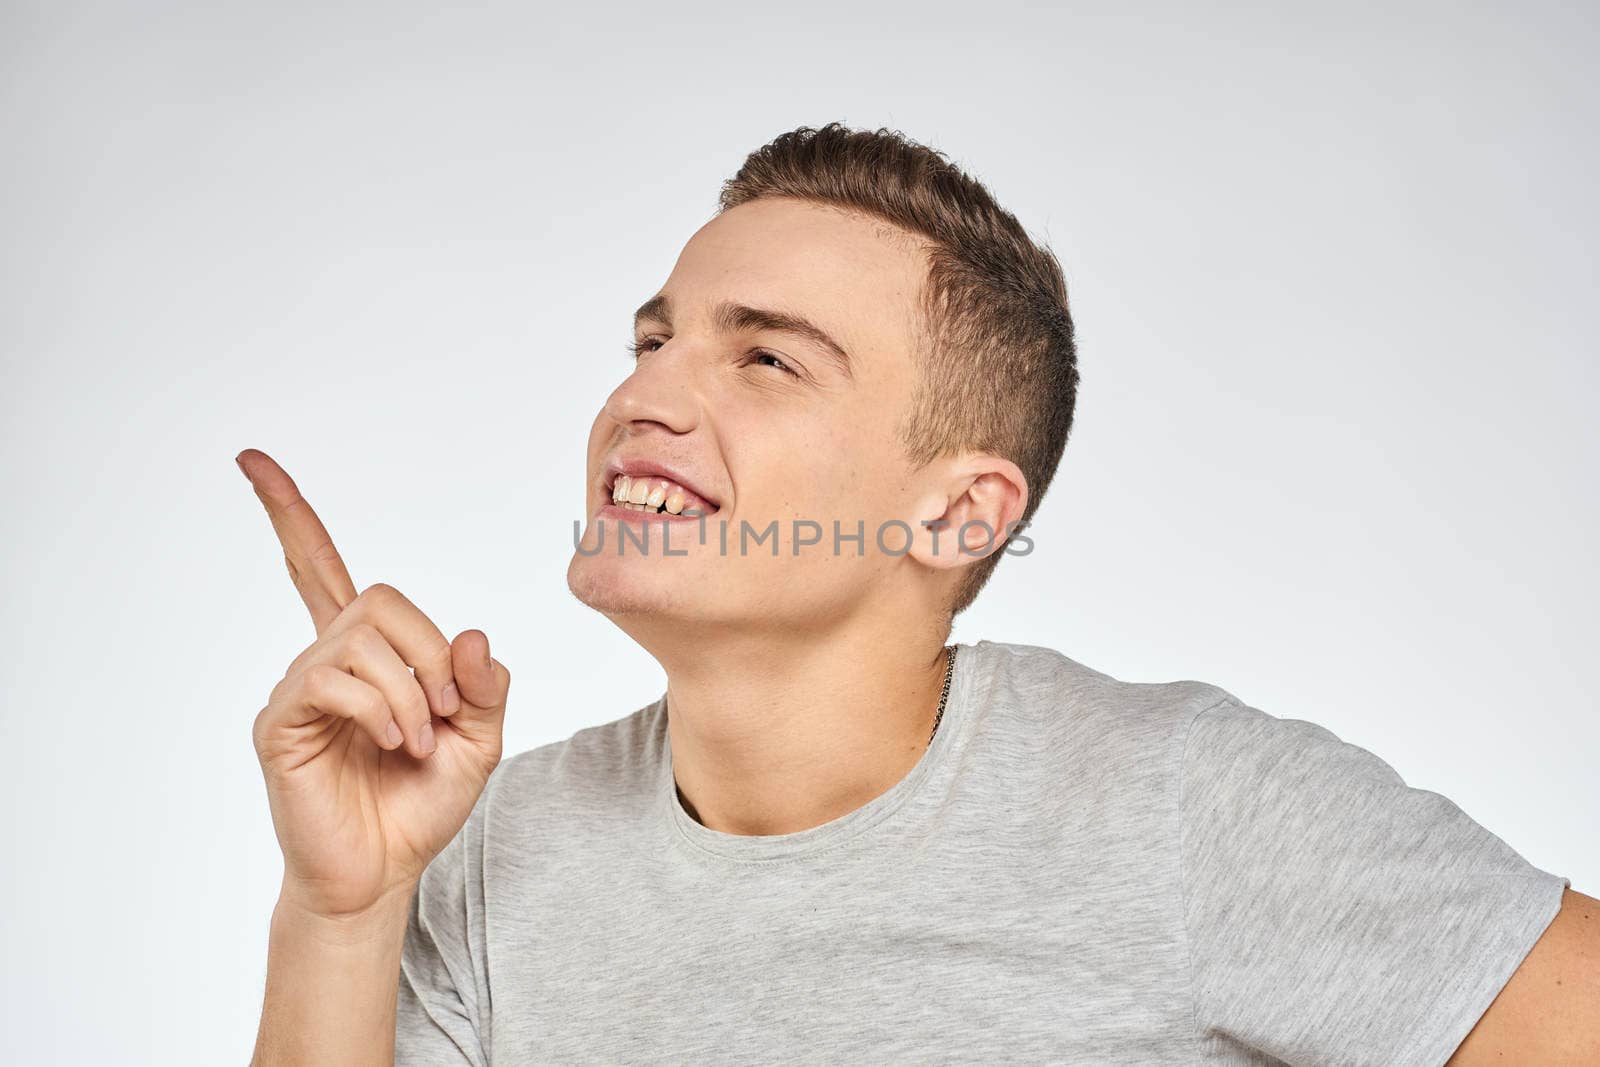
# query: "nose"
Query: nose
660,390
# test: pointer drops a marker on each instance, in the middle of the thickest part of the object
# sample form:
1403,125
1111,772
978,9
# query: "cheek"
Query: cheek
813,463
826,480
863,455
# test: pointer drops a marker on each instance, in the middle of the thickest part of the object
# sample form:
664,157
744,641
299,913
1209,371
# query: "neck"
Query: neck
777,733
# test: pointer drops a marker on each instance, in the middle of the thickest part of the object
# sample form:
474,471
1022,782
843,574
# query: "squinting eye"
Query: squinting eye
759,354
638,348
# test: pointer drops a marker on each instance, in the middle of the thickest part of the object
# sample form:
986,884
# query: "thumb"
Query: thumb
482,682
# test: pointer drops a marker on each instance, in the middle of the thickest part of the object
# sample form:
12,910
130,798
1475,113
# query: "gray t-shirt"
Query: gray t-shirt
1078,870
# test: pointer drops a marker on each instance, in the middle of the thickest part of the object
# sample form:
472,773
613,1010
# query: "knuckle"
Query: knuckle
363,639
280,691
316,682
325,552
258,729
298,664
380,595
417,704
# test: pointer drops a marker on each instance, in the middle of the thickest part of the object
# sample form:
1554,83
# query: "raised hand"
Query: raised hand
370,769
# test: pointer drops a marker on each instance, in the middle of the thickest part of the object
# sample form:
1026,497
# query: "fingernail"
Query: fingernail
392,735
450,702
238,463
425,738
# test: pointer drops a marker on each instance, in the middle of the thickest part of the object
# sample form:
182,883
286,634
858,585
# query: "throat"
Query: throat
748,762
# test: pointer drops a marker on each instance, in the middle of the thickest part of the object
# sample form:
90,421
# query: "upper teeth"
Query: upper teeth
647,494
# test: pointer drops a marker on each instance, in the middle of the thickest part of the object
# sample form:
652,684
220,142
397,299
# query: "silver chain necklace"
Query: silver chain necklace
944,693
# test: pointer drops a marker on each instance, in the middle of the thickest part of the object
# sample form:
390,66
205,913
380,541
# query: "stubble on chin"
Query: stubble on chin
610,590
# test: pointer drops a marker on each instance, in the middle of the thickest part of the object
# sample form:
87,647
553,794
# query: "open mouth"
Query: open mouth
653,494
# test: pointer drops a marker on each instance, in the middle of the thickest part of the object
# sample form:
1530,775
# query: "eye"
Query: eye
762,354
639,348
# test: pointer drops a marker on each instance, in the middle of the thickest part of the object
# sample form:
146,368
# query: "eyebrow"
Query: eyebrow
733,317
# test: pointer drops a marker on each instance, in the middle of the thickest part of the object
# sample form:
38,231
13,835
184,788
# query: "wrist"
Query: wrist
299,911
332,981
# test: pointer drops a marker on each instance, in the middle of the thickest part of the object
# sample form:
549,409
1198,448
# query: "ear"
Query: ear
969,512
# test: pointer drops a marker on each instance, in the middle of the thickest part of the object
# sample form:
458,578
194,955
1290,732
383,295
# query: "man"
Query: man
833,839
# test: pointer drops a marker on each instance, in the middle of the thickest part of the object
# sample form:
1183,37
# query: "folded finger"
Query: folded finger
413,636
323,689
364,652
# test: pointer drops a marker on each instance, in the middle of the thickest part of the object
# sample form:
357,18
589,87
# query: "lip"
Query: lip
649,468
611,511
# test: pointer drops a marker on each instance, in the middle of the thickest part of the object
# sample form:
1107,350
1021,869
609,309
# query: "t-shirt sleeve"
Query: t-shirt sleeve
1336,915
437,1018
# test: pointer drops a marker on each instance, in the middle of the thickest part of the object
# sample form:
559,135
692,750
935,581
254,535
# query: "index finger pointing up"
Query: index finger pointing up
314,564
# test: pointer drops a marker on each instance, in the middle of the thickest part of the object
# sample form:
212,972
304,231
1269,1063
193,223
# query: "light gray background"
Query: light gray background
1336,447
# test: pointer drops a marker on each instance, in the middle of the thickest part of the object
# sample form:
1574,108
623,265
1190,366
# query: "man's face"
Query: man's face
762,424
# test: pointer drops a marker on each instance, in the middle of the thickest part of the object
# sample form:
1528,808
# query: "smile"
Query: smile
655,495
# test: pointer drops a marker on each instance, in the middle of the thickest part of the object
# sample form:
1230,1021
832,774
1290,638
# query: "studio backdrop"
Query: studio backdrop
1336,450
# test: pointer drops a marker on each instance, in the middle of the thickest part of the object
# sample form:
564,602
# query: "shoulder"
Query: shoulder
1232,735
1335,913
1050,691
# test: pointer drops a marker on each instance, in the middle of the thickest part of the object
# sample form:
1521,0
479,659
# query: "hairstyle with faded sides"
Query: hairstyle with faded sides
998,363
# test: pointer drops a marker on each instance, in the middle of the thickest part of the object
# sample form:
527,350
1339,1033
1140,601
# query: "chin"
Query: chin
612,587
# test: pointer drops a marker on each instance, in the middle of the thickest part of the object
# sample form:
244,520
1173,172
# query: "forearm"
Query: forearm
332,985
